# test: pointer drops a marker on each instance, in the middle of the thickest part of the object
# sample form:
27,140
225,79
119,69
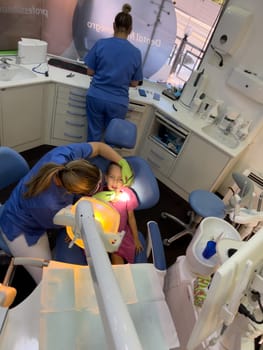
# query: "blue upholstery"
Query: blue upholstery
154,246
205,204
141,257
158,255
121,133
3,245
13,168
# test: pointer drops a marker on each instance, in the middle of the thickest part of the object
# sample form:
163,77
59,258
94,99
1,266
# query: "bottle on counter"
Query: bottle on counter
227,122
243,131
214,112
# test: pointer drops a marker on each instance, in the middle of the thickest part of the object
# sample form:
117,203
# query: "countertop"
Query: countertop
181,115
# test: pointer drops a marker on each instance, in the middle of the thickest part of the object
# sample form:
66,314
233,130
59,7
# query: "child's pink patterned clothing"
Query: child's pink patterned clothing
128,201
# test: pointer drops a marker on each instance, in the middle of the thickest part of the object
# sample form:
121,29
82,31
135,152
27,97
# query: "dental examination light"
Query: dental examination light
119,328
107,220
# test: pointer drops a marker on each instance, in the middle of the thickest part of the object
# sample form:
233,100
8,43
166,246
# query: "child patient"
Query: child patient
125,201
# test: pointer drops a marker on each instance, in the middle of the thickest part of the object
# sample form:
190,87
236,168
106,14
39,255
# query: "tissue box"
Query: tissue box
32,51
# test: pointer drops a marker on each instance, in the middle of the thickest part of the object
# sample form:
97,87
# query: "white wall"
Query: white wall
248,55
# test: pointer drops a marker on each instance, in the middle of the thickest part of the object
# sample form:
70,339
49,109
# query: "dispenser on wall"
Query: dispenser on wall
231,29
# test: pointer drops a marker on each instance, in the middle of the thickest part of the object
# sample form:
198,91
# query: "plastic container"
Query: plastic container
227,123
209,250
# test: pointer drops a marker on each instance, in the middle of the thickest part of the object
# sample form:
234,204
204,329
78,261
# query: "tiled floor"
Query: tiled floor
169,201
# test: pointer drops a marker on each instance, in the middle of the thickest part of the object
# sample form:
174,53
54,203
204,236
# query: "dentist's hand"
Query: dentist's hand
126,171
106,196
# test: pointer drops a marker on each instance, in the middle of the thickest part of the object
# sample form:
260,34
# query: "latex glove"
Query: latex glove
106,196
126,171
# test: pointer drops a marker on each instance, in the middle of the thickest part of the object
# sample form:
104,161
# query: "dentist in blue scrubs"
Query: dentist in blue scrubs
115,65
57,180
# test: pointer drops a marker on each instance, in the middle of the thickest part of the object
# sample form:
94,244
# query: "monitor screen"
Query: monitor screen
229,275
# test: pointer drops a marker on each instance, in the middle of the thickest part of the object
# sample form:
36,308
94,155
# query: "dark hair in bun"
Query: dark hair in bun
123,20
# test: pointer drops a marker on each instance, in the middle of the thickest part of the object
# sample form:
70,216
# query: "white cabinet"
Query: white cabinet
158,157
199,165
21,117
181,159
69,120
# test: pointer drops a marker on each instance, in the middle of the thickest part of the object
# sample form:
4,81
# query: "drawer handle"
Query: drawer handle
153,162
76,106
75,124
157,154
73,136
76,114
74,93
77,100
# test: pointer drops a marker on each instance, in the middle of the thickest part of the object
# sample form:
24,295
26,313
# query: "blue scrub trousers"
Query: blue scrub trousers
99,114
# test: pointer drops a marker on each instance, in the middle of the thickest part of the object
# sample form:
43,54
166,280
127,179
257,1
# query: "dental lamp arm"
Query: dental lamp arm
118,326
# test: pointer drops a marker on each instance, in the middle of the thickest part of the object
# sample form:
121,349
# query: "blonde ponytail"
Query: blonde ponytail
77,176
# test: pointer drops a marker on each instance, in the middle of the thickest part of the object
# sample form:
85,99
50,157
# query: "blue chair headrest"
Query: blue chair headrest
13,166
121,133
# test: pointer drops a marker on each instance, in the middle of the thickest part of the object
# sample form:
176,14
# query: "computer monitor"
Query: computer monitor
222,288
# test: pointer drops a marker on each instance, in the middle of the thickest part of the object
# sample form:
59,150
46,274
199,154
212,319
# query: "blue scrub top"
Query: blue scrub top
116,63
33,216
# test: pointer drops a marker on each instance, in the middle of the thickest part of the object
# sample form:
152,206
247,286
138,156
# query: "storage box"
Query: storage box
32,51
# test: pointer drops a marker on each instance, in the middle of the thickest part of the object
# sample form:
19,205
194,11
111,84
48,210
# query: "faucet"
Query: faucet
4,62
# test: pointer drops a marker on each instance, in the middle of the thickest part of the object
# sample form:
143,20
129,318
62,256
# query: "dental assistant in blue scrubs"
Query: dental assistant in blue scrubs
57,180
115,65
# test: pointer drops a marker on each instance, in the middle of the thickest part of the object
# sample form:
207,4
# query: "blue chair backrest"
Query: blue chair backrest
12,168
121,133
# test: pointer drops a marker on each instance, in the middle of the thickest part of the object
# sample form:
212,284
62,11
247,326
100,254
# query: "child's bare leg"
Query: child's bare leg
116,259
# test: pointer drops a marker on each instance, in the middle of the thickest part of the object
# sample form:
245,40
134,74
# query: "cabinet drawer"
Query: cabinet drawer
71,94
160,159
71,108
66,90
71,98
134,118
73,129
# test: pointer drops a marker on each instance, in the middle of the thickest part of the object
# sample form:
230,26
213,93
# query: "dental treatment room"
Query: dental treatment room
131,175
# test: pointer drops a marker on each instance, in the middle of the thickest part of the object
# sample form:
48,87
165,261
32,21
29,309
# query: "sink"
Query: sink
229,140
16,73
210,229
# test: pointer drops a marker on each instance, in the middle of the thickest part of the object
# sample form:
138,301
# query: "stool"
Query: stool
203,204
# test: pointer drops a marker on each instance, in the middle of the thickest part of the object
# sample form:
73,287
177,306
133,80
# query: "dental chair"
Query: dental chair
207,204
122,134
13,168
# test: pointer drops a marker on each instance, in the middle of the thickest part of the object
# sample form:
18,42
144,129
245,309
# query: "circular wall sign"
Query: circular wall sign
154,28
